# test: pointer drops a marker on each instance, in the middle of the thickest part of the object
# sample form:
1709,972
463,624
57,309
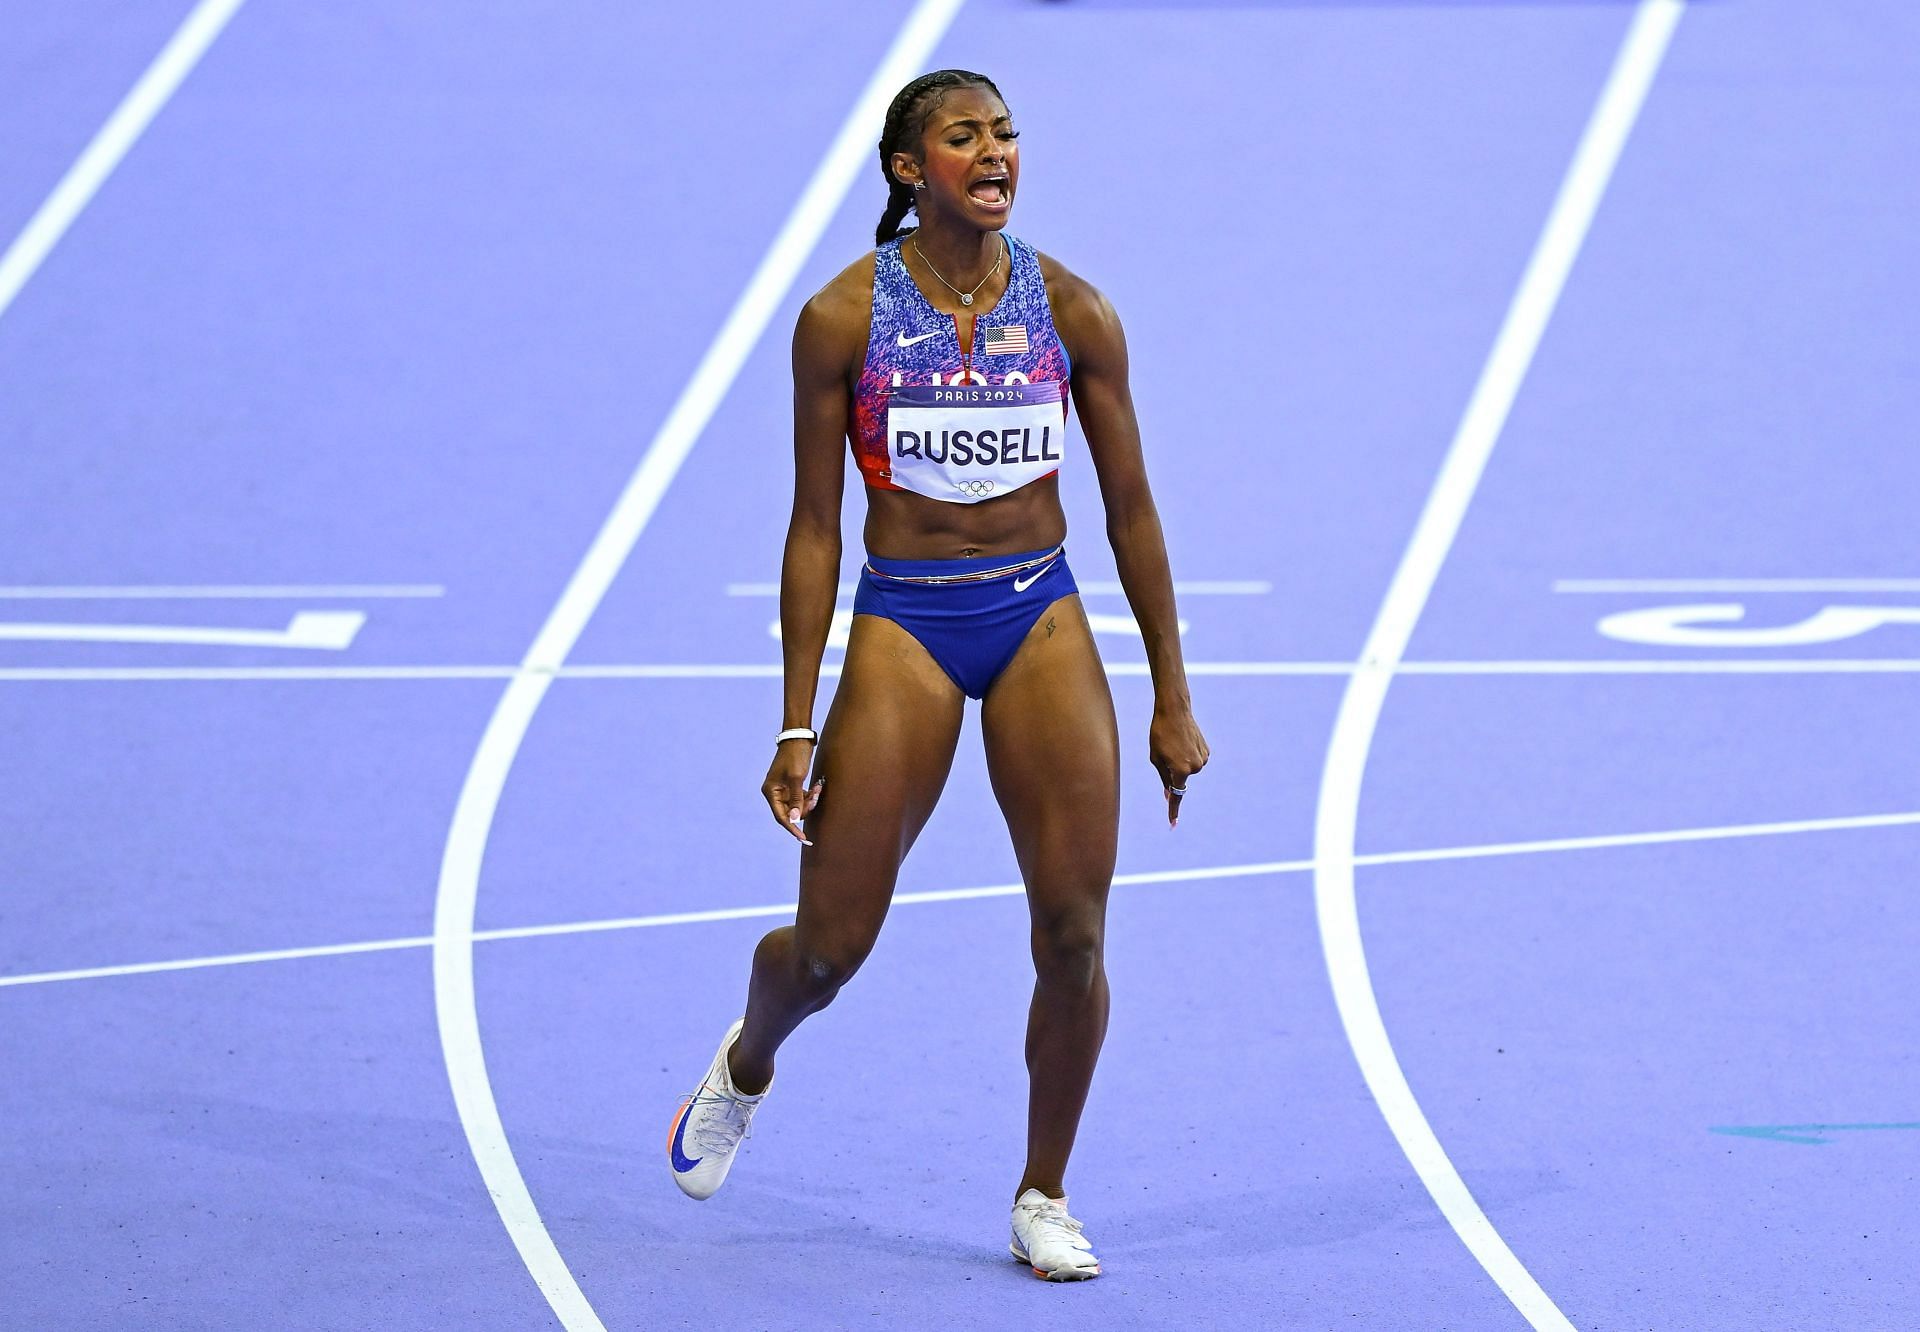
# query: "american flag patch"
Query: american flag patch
1008,341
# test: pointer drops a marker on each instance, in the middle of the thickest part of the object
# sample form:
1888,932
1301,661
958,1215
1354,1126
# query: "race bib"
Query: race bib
971,442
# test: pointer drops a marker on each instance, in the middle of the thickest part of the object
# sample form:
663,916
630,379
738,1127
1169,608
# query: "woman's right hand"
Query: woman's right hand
786,790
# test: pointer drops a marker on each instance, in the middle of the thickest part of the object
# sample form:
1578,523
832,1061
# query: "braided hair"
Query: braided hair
906,122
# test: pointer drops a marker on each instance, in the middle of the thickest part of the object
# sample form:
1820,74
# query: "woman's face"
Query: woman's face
972,160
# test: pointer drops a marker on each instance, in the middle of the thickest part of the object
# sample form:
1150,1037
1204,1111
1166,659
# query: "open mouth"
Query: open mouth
991,190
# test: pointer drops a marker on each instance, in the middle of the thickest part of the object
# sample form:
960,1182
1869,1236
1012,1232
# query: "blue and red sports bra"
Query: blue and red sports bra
953,424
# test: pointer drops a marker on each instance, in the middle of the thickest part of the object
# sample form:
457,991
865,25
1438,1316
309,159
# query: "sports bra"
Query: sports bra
952,426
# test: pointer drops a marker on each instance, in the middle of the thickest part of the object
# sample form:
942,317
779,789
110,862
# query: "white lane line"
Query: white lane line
1737,585
135,674
216,674
1662,666
332,631
1598,666
1202,587
216,591
220,960
1337,817
755,670
771,670
122,129
453,933
1483,851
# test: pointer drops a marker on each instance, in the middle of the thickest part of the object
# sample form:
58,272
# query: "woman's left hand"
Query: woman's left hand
1178,751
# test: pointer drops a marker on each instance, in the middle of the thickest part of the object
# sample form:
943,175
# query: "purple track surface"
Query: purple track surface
398,295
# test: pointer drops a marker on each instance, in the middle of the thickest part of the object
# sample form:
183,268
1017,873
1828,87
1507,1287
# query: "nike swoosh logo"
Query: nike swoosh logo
901,339
681,1164
1022,584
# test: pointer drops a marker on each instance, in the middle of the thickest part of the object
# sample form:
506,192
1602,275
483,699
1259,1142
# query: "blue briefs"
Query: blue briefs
971,628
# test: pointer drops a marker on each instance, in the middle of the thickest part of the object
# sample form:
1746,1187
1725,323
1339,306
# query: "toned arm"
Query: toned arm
831,326
1098,346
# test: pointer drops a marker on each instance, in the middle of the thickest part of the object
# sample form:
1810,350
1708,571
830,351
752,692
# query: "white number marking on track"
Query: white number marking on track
1706,625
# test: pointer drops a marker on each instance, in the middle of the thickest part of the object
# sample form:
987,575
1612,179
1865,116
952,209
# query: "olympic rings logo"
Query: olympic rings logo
974,488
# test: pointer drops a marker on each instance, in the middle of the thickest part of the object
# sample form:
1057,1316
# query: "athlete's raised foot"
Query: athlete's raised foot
1049,1241
710,1126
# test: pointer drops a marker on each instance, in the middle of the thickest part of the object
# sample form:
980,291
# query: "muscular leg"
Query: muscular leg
1054,756
885,752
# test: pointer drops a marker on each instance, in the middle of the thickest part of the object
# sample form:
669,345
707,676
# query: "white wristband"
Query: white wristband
806,733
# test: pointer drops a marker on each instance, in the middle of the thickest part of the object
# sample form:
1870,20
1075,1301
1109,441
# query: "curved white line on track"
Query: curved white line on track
1337,816
460,866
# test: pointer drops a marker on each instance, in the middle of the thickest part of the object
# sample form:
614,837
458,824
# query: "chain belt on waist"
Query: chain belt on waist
976,577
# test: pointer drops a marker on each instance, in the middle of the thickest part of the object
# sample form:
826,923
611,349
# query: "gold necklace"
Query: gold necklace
966,297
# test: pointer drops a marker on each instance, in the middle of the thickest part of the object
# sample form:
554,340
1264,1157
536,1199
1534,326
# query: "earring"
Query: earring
919,184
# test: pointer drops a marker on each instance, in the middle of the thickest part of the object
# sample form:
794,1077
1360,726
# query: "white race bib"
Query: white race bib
971,442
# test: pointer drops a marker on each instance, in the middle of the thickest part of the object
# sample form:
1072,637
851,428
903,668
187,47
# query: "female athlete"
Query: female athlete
944,358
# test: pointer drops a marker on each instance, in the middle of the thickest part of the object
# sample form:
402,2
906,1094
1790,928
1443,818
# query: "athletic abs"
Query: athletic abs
907,526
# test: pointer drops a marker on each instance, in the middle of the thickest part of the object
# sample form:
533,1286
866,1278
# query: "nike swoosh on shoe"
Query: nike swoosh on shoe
681,1163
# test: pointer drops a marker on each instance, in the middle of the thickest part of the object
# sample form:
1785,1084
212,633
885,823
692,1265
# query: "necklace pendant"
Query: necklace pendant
966,298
